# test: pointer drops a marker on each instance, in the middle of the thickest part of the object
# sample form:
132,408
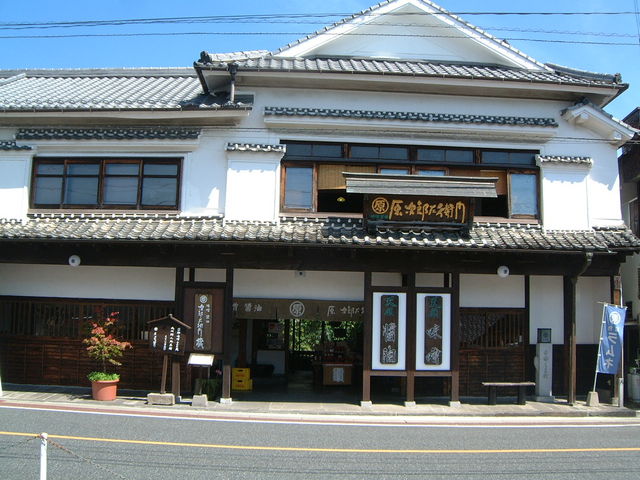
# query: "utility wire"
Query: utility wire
379,34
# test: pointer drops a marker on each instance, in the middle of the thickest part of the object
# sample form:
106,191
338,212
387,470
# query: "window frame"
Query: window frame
102,176
414,166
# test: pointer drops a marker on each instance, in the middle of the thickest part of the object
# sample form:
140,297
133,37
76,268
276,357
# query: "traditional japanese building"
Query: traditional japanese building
393,209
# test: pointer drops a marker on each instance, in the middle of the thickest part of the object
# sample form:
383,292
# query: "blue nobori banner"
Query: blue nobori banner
611,336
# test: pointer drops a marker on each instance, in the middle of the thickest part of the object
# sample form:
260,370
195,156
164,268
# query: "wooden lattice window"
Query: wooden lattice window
493,328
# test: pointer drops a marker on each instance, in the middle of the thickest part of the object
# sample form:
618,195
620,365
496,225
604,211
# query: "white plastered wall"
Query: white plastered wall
546,307
15,171
492,291
63,281
293,284
253,186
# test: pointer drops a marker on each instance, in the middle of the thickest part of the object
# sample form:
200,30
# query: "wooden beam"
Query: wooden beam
455,337
368,338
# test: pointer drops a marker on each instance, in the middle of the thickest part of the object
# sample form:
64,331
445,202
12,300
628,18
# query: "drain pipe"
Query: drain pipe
233,69
570,284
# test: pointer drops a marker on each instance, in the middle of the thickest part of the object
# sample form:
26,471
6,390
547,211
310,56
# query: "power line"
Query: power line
379,34
227,18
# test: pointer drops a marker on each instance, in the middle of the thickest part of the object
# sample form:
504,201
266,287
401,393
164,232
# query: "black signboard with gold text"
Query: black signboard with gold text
418,210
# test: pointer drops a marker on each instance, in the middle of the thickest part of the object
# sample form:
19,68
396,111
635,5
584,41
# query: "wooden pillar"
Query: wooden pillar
175,377
368,338
410,365
569,288
455,337
570,283
228,323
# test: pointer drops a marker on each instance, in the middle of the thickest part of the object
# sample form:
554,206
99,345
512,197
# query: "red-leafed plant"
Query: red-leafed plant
103,346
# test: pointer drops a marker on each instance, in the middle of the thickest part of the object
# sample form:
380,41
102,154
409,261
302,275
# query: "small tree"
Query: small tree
104,347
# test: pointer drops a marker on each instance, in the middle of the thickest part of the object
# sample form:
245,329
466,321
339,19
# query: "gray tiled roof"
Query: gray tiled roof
11,145
414,68
292,231
255,147
563,159
105,89
150,133
409,116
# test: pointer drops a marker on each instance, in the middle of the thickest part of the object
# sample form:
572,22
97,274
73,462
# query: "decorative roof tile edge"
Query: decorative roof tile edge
118,216
11,145
255,147
410,116
139,133
564,159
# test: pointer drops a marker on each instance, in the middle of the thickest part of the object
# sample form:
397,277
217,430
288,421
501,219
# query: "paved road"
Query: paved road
165,448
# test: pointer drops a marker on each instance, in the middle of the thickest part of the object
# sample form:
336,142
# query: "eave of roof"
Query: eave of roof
336,232
447,186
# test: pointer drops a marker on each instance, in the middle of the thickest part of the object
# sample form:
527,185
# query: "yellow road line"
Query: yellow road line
326,450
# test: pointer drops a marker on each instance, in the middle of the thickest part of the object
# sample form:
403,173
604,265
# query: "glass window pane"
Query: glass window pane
459,156
299,149
394,153
432,173
50,169
522,158
299,188
83,169
495,157
48,190
430,155
81,191
394,171
170,169
120,191
122,169
524,194
321,150
160,191
364,152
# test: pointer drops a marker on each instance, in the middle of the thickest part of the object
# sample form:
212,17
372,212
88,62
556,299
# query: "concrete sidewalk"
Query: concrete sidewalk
135,402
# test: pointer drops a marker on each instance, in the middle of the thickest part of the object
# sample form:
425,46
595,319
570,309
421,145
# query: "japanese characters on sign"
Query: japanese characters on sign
433,330
168,335
389,330
416,209
388,347
261,308
611,337
203,318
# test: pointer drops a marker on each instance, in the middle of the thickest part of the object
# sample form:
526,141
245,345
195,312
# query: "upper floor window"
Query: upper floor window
313,180
108,183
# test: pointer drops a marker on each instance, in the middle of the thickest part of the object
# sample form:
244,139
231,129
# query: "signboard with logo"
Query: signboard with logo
326,310
204,312
417,210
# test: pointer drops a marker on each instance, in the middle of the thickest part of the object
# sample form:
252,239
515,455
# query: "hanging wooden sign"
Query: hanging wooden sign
417,210
204,310
389,330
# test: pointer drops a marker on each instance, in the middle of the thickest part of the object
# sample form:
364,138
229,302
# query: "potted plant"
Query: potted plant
103,346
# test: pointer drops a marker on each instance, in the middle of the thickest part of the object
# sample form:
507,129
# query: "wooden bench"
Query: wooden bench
522,390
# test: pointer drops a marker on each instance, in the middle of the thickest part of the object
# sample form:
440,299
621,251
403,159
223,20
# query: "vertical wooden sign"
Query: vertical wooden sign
203,316
433,330
204,312
389,330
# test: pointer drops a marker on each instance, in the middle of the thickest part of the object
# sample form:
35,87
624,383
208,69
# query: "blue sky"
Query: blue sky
183,49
